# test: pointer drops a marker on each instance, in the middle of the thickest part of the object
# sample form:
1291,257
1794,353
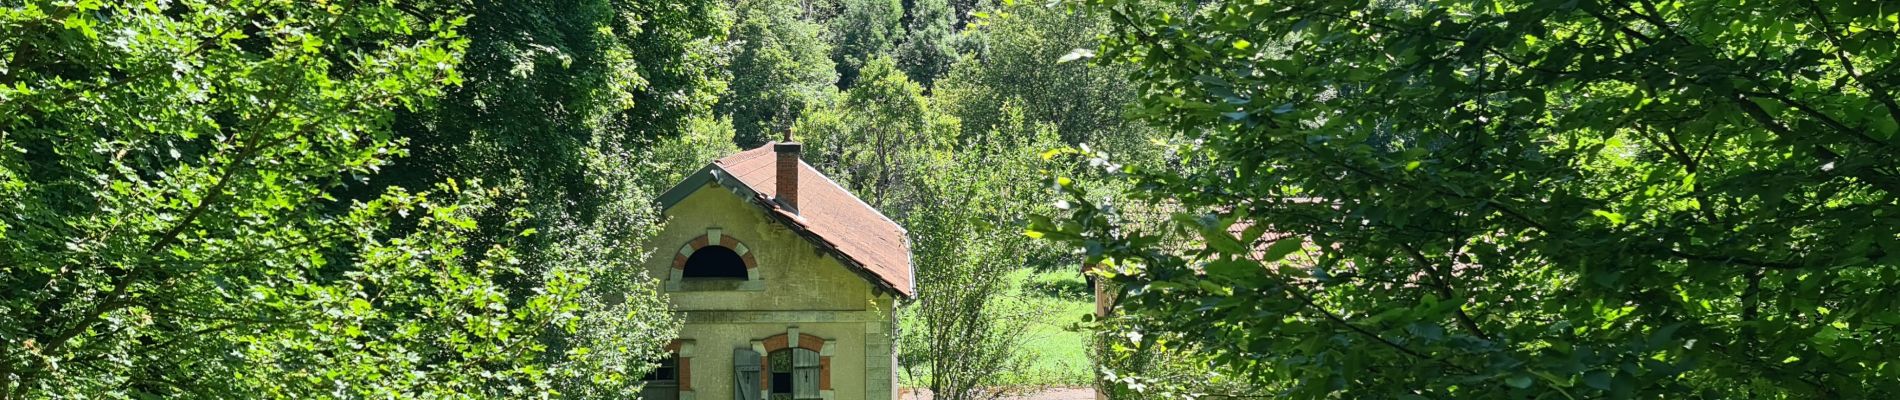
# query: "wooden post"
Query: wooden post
1101,312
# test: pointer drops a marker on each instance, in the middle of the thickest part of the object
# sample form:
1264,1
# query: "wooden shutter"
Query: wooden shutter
745,374
805,370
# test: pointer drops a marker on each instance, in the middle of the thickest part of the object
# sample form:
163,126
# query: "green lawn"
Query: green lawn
1058,355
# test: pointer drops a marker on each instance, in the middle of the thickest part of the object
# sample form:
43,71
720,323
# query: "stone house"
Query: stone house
788,284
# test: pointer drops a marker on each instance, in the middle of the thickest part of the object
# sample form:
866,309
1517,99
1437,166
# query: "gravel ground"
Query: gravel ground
1045,394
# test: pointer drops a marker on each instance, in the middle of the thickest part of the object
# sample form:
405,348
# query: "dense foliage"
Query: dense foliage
869,139
1514,199
559,107
780,68
212,199
926,52
864,30
1024,54
886,142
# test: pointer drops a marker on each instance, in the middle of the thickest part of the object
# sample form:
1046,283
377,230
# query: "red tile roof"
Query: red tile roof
831,217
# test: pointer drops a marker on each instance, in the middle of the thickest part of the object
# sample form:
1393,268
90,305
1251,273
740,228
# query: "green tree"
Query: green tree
886,142
864,30
925,52
781,67
560,104
1517,199
171,226
1025,54
198,205
865,138
964,338
557,89
680,68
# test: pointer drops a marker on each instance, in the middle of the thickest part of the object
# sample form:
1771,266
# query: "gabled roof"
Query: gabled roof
830,217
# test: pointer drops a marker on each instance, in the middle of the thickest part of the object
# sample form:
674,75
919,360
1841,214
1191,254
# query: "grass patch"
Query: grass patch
1058,356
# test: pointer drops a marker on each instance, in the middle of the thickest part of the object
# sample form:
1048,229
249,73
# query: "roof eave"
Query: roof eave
686,187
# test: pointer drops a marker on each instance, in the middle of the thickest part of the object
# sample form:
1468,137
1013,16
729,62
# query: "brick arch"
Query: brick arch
805,341
715,237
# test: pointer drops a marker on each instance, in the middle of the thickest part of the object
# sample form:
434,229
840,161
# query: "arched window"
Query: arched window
714,262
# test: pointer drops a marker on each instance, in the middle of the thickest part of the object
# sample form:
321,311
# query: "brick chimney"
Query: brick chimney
787,174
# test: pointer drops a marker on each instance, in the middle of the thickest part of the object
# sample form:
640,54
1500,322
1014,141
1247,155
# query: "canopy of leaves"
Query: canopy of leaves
1517,199
962,199
1018,56
865,30
780,68
925,53
560,106
172,226
865,139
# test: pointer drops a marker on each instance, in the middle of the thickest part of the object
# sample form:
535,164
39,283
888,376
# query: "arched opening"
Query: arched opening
714,262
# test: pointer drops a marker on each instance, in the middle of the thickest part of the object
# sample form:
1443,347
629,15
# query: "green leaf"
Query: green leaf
1614,218
1599,380
1518,381
1221,241
1234,269
1427,330
1281,248
1664,334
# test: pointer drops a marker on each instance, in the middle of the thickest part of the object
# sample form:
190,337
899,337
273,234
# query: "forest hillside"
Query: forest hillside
1485,199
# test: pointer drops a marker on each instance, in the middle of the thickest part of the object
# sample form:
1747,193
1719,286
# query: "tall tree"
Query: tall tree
167,171
887,143
1521,199
1025,54
865,138
864,30
781,68
925,53
964,222
675,49
561,102
555,88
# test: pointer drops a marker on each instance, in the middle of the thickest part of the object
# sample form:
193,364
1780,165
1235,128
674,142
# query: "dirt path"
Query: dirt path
1045,394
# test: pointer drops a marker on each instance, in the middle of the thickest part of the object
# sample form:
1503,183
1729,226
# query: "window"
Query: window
714,262
794,374
663,383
